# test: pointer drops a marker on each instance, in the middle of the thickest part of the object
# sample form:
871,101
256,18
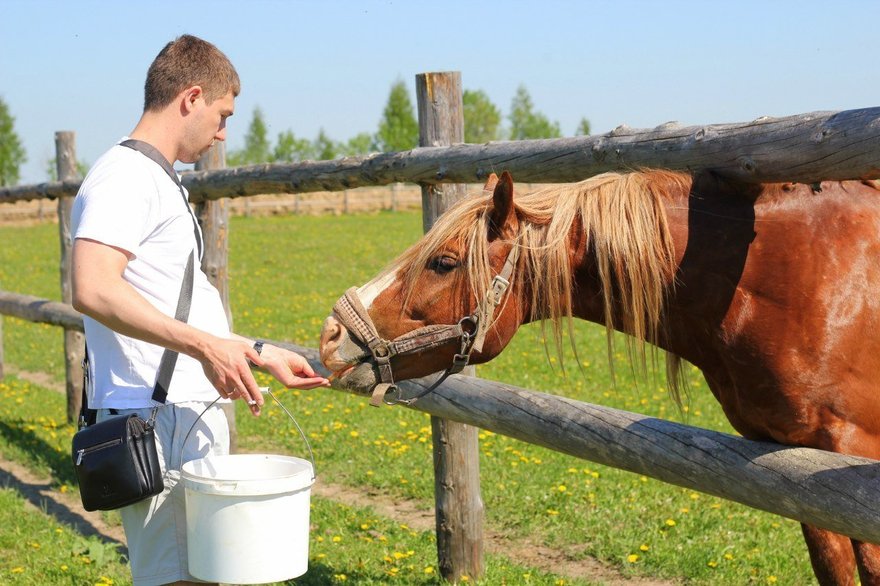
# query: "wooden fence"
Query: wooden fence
824,489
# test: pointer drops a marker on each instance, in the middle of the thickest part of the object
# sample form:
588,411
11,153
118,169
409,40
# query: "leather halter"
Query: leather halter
470,330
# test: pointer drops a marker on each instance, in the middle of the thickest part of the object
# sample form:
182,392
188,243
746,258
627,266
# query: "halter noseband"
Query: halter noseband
470,330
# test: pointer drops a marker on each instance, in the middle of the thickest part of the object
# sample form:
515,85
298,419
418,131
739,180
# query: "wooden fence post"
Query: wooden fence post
74,341
213,217
2,358
459,506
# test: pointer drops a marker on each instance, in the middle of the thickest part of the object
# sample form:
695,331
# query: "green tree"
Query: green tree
52,169
12,153
481,118
583,128
398,129
256,143
525,122
325,147
359,144
291,149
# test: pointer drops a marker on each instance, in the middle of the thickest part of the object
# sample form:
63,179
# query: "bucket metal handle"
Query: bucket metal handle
298,428
280,404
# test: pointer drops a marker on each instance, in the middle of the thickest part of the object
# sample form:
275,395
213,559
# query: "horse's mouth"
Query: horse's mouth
340,374
359,377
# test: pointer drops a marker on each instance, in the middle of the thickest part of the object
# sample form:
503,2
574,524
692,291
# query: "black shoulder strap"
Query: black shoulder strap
153,154
184,301
169,357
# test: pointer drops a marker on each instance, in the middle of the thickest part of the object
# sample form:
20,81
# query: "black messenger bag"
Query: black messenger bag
116,462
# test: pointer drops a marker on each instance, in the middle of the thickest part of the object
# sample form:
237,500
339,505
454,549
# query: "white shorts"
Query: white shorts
155,529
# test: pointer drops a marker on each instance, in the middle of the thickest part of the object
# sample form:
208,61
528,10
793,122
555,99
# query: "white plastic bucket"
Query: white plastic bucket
247,517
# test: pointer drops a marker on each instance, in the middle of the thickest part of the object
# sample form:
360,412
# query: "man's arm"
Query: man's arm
100,292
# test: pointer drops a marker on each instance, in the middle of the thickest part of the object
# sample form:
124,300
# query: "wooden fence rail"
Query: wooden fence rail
803,148
825,489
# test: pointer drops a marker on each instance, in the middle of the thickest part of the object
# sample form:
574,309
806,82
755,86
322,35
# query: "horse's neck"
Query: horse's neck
586,295
713,232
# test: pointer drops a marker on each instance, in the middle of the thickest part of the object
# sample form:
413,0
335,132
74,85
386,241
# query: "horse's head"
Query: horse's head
452,298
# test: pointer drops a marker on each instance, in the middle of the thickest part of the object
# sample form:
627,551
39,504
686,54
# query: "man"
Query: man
133,234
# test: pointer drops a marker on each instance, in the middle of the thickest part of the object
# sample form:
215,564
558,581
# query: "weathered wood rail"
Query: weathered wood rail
825,489
802,148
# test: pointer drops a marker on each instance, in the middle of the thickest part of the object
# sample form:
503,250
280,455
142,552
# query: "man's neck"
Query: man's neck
152,129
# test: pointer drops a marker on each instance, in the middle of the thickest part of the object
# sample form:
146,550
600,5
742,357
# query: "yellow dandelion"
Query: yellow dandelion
670,522
712,564
429,570
644,547
771,579
632,558
17,570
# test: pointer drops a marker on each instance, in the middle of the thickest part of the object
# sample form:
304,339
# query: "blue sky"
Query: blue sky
80,65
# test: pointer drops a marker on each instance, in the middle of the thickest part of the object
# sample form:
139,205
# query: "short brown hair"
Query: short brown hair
184,62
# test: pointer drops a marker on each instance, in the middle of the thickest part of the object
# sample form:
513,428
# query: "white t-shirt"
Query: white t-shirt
128,201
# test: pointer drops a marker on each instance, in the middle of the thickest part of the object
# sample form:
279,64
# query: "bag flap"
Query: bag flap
114,428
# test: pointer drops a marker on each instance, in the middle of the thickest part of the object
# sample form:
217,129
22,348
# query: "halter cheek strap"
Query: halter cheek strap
471,330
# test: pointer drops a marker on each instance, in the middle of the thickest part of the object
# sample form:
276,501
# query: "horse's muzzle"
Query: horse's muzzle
343,356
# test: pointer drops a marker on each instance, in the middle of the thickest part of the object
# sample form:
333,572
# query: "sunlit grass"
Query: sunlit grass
286,273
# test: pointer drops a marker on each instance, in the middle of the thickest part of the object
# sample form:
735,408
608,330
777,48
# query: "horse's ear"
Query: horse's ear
491,182
503,216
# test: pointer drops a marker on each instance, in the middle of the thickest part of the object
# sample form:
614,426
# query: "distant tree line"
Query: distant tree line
398,131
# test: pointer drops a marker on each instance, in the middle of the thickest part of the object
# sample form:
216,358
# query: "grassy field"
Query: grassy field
286,272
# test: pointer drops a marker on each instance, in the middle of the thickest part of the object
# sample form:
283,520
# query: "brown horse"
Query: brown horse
771,290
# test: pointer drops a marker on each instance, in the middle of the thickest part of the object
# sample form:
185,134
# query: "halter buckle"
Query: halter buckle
381,351
499,286
474,323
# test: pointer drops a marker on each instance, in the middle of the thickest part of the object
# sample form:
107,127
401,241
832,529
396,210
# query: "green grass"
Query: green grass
286,273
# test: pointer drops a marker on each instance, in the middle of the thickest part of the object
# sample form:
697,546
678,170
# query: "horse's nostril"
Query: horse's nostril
331,335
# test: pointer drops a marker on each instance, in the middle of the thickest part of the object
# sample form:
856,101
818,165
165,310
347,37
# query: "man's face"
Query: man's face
207,124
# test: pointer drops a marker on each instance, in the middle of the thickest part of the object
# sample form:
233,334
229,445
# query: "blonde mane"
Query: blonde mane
627,232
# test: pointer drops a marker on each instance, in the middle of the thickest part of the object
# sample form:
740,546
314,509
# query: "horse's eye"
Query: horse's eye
443,264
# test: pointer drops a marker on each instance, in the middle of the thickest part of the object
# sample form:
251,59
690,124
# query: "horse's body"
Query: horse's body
773,291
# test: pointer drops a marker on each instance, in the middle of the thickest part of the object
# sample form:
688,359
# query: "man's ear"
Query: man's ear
190,96
502,218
